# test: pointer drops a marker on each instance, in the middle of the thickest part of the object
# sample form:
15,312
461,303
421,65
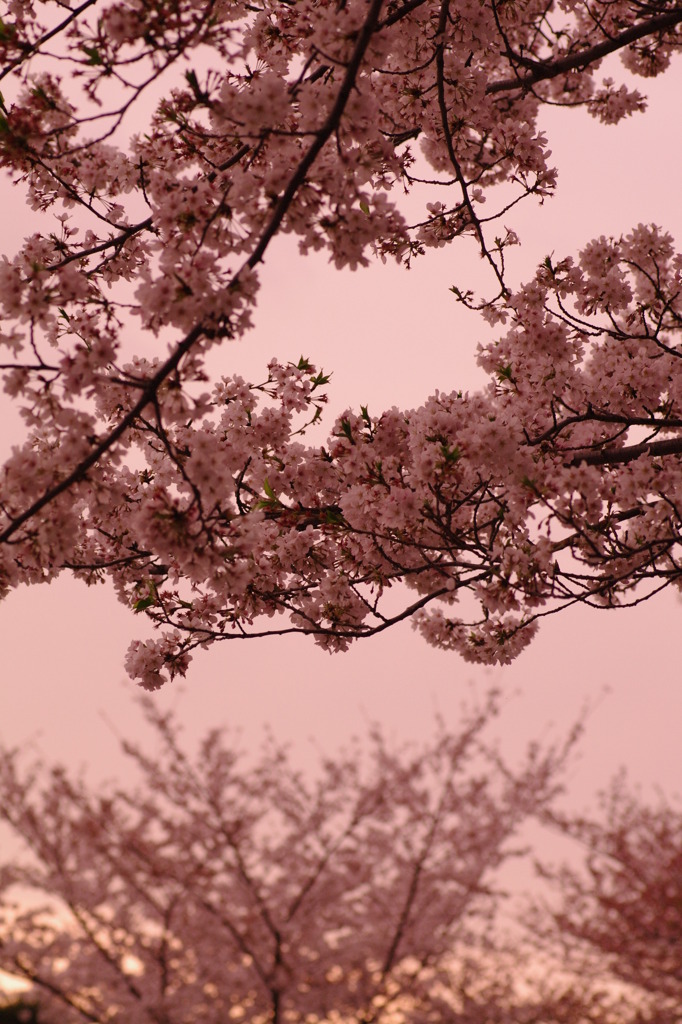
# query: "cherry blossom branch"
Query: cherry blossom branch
231,517
447,134
101,448
117,242
542,71
416,871
315,629
623,420
322,135
34,47
621,456
27,973
150,389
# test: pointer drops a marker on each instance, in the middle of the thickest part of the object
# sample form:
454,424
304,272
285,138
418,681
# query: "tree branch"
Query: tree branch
199,330
580,60
34,47
621,456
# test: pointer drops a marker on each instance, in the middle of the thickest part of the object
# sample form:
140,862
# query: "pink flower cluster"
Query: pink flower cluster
199,498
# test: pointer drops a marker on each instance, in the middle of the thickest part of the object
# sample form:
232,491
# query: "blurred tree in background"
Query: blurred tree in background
371,890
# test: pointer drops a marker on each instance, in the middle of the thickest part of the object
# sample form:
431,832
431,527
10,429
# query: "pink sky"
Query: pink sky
390,337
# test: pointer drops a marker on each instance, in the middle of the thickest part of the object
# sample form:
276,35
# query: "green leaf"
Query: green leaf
347,430
143,603
450,455
200,95
364,207
269,491
333,516
92,54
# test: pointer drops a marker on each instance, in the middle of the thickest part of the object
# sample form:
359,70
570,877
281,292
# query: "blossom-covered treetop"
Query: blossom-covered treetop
198,497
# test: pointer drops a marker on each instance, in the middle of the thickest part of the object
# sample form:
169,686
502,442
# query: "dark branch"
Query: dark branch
543,71
621,456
